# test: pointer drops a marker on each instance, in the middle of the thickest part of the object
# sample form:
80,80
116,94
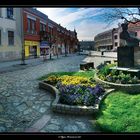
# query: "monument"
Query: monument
128,54
129,51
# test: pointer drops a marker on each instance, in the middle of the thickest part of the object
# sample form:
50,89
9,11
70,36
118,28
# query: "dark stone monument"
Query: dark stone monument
128,54
129,51
125,57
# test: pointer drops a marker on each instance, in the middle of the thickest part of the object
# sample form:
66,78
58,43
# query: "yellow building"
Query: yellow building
32,48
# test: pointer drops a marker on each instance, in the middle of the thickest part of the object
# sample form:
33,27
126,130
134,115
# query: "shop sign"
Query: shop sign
31,43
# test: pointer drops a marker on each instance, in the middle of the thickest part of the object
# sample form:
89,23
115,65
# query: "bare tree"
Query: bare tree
130,15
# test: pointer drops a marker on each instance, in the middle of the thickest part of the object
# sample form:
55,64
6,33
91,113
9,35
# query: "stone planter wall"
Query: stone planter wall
68,109
130,88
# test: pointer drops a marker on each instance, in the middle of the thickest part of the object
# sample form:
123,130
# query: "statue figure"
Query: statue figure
126,39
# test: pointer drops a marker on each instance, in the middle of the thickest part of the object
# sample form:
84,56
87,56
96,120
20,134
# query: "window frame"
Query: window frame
115,36
10,13
116,43
11,38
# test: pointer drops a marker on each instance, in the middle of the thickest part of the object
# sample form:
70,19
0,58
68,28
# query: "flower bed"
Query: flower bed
117,79
75,92
71,109
113,75
130,88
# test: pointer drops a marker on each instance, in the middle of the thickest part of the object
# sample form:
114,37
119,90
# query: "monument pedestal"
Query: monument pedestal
128,57
129,60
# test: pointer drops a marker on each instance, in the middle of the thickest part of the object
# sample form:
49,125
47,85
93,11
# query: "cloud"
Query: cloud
82,13
83,19
88,30
66,16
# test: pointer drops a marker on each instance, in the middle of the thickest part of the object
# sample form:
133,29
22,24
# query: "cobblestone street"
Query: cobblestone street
26,108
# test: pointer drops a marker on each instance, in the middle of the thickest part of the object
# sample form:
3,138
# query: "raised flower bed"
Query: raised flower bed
117,79
57,106
74,94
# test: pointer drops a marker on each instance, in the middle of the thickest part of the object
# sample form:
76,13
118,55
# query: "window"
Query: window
31,26
10,13
42,27
50,30
0,37
116,37
10,37
116,43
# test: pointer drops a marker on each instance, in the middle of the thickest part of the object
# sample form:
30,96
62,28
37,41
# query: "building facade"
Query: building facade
86,45
10,34
105,40
34,22
42,35
135,28
110,39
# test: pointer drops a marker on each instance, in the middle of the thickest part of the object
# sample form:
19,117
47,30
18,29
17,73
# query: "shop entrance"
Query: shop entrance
33,51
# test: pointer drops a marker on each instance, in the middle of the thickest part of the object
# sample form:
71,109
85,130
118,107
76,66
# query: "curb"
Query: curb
68,109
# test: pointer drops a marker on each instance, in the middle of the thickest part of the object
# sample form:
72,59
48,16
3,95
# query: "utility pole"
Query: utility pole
22,39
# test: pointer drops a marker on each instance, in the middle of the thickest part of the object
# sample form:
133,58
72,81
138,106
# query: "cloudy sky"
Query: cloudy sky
87,21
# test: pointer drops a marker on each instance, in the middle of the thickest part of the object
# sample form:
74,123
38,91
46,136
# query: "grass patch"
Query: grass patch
120,112
87,74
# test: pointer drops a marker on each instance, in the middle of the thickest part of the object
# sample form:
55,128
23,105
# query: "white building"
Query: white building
10,34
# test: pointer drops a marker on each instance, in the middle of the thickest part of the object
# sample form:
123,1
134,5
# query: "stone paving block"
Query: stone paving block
41,122
22,86
31,130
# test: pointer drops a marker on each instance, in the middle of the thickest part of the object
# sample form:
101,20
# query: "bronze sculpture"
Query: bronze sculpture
126,39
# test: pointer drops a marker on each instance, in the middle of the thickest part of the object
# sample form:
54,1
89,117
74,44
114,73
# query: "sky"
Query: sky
88,22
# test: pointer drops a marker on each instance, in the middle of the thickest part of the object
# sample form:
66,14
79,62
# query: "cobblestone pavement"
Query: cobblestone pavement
26,108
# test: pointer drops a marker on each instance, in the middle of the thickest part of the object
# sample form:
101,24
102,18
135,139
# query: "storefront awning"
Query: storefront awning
44,44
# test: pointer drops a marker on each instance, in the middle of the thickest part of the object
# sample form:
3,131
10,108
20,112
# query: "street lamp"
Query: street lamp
65,43
22,39
79,47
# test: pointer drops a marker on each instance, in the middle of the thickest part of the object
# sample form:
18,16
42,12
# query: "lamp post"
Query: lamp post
22,39
79,47
65,44
50,44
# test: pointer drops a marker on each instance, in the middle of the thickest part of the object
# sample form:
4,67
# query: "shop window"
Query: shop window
10,12
10,37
